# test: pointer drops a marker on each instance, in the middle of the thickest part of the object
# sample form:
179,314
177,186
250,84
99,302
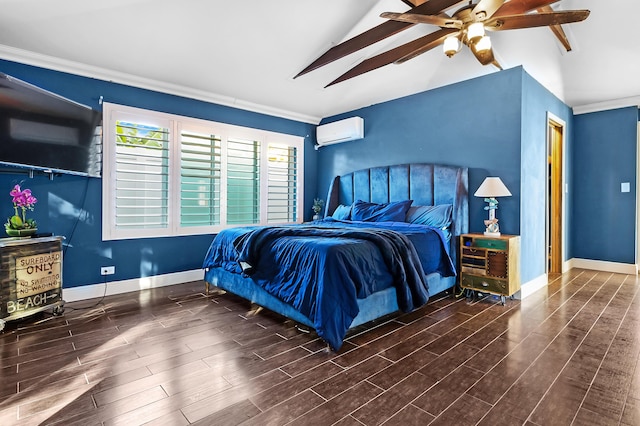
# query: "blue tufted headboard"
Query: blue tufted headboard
425,184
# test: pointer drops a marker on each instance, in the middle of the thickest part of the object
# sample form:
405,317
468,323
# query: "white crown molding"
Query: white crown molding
108,288
607,105
37,59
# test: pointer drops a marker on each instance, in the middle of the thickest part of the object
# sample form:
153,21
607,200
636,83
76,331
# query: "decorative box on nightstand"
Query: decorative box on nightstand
490,264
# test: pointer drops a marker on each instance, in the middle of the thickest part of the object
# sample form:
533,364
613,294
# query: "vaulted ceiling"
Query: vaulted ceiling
247,53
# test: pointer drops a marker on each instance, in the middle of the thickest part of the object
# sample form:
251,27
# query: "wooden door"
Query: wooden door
555,141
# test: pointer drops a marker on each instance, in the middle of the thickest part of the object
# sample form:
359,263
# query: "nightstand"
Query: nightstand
490,264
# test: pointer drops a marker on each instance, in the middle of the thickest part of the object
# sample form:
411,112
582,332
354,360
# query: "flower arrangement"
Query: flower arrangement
317,205
23,200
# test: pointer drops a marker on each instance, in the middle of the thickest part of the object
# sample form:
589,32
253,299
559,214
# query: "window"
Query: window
168,175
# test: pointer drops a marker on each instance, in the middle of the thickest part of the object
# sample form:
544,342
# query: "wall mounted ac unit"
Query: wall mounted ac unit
345,130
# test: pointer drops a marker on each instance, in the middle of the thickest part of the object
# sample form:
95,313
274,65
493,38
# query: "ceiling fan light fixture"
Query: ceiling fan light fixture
483,45
451,45
475,32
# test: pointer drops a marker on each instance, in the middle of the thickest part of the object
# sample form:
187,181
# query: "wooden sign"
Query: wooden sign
38,273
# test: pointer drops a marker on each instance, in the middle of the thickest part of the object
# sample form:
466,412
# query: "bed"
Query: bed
382,247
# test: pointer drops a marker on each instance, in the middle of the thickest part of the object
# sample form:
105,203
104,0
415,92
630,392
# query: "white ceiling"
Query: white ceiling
246,53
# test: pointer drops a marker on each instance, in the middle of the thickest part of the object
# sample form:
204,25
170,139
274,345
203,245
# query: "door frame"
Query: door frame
557,121
638,198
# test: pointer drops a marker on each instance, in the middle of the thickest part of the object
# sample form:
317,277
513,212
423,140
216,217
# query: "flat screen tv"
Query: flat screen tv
44,131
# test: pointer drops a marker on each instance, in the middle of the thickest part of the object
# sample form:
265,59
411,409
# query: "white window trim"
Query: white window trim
175,123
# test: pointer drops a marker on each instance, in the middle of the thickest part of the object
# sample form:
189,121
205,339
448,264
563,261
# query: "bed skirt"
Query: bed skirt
375,306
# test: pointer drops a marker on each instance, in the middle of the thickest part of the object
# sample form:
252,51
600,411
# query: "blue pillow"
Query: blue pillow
436,216
342,212
372,212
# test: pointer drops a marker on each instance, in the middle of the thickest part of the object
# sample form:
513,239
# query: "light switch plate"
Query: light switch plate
625,187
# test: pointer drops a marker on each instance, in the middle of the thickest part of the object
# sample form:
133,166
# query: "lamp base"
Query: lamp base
492,230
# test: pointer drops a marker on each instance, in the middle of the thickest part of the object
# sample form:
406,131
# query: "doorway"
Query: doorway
555,150
638,198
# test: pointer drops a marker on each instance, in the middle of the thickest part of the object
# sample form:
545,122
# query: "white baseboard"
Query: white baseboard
542,281
92,291
532,286
602,265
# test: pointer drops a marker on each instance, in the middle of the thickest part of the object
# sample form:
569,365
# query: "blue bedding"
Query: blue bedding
322,269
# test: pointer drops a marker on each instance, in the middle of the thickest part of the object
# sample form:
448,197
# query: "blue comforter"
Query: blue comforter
322,269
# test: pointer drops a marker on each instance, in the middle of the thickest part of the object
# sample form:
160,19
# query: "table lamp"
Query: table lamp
491,188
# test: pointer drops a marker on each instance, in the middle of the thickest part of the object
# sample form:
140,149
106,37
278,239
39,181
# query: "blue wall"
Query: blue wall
71,206
603,224
537,102
475,123
495,125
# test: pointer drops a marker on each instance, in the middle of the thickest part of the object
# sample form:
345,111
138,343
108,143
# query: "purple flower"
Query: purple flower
23,200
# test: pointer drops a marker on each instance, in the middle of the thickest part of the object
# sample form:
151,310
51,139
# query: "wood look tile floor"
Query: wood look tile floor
566,355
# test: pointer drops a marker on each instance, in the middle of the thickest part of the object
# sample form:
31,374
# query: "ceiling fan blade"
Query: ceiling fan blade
518,7
415,18
485,9
390,56
561,36
410,4
380,32
514,22
557,30
356,43
422,49
414,3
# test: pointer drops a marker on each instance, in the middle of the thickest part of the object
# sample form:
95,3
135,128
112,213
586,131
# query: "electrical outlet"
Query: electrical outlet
107,270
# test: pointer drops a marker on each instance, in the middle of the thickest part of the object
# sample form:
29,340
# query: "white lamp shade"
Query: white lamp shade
475,31
451,45
492,187
483,44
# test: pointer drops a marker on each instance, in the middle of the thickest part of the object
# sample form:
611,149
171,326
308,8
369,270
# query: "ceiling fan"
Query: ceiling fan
466,26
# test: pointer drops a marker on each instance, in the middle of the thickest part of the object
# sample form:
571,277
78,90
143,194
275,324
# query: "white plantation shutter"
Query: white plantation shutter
142,176
282,206
243,181
200,171
168,175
